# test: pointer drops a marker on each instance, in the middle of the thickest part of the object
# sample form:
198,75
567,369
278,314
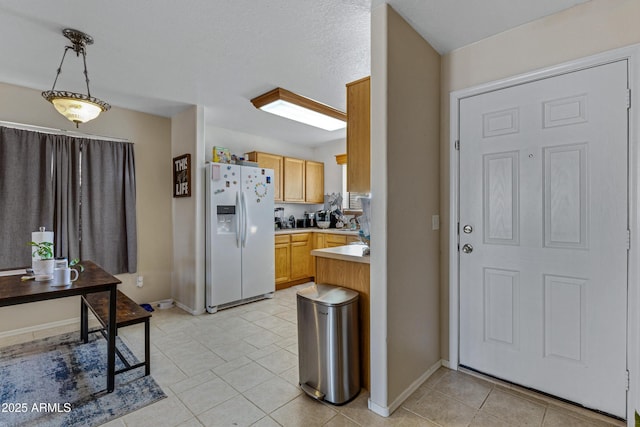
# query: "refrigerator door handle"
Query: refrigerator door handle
237,221
243,198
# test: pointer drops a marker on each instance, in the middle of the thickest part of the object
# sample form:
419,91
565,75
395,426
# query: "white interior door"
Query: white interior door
543,189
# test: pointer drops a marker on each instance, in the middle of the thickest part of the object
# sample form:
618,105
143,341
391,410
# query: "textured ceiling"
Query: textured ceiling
159,56
450,24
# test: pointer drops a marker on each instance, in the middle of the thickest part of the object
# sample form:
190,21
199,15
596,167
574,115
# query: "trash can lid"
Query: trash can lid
328,295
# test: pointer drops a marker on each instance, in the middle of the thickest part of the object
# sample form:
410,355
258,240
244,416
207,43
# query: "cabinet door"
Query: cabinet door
283,263
282,258
314,184
271,161
301,245
320,241
294,180
358,136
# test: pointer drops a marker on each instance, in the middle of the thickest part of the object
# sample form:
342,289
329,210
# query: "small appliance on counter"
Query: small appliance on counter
278,214
311,220
327,216
307,221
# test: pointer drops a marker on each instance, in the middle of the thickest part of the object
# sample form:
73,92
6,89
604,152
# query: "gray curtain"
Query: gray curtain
26,193
108,205
66,194
82,189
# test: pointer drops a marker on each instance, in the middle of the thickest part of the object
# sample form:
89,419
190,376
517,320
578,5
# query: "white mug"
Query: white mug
62,276
61,263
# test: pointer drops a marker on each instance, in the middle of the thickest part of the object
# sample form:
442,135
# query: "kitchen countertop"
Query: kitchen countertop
344,231
351,253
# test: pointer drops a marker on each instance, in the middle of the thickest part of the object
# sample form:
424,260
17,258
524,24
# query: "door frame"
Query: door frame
632,55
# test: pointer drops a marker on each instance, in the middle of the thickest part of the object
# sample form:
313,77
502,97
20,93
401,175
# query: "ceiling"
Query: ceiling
160,56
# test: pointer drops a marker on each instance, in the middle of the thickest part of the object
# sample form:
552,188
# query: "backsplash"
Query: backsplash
297,210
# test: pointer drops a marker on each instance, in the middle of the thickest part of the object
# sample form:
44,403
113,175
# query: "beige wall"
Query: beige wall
593,27
408,150
326,153
188,214
152,138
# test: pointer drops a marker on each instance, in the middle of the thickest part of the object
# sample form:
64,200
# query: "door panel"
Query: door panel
258,257
543,184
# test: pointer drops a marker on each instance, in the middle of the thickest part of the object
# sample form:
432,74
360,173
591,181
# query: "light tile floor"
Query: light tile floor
238,367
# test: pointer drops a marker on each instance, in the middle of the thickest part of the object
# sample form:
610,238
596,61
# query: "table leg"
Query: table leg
84,321
111,341
147,349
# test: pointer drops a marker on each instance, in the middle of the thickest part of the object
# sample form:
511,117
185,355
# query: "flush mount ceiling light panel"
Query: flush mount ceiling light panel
77,107
295,107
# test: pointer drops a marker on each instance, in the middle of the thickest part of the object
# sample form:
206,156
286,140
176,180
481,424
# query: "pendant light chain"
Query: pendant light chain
86,74
60,67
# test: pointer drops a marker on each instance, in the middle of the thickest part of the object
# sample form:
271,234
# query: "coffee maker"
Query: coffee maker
310,219
278,214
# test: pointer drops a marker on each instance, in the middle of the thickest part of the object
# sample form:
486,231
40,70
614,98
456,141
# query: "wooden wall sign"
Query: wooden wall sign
182,176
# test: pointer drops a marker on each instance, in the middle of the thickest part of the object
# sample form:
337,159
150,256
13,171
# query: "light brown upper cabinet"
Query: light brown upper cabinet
294,180
359,136
314,182
271,161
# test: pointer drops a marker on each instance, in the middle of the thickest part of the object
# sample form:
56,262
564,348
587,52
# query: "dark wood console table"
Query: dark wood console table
13,291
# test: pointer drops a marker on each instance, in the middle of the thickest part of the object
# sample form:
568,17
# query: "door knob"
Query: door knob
467,249
467,229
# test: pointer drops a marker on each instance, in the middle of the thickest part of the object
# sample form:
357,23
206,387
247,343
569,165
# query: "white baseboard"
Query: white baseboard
185,308
76,321
388,410
446,364
380,410
41,327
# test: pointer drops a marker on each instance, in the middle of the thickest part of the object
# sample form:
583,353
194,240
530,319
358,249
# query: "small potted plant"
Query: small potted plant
43,262
75,263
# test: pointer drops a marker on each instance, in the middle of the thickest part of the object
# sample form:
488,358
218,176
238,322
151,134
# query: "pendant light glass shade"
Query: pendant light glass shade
76,107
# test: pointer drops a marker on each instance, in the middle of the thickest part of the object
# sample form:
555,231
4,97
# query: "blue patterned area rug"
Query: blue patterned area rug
59,381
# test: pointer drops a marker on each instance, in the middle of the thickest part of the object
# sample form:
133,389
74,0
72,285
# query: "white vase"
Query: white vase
43,266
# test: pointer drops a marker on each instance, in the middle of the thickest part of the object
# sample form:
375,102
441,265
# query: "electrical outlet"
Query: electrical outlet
140,281
435,222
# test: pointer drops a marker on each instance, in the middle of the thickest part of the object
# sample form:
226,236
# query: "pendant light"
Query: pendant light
77,107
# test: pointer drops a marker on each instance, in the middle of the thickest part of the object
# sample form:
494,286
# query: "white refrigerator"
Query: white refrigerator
239,241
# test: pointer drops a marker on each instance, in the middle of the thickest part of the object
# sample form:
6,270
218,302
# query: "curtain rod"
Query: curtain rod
43,129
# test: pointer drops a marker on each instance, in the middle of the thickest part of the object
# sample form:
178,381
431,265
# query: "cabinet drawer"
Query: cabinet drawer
301,237
352,239
282,238
336,239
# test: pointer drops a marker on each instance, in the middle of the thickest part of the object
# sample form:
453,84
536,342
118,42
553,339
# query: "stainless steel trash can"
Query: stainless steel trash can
328,339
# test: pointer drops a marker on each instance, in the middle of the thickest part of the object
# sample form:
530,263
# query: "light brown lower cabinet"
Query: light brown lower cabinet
282,259
301,259
333,240
294,263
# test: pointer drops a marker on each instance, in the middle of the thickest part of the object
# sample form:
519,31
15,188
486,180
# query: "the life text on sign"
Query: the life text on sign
182,176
